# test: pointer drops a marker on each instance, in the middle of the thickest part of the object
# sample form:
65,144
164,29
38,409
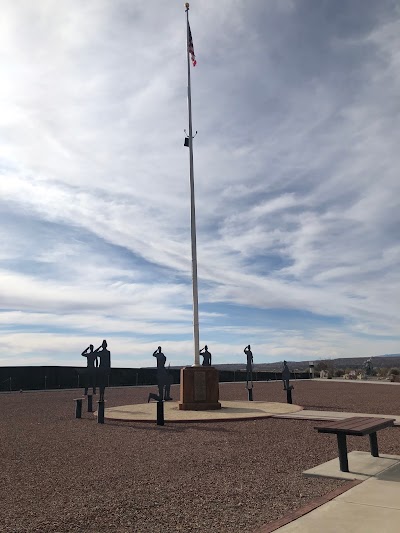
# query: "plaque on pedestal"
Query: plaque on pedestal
199,388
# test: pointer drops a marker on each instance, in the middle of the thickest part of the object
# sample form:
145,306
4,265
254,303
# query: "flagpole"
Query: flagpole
192,211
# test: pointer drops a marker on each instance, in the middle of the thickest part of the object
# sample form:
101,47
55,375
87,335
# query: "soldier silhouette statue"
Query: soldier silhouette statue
92,360
104,368
206,356
249,366
286,384
164,378
285,376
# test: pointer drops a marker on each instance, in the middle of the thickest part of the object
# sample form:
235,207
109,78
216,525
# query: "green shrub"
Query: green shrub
394,371
382,372
321,365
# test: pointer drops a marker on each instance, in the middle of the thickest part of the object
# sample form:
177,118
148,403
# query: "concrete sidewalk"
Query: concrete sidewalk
306,414
371,505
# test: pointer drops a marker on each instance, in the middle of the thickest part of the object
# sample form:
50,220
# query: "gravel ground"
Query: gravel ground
61,475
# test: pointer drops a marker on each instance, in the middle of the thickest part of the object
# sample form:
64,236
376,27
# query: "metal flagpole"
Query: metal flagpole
192,210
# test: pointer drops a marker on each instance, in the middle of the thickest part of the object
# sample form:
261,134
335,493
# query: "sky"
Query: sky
296,170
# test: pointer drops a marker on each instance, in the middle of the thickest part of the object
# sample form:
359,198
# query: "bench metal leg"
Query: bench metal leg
342,447
374,444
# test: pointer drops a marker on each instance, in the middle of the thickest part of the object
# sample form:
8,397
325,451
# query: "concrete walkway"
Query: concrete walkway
371,505
306,414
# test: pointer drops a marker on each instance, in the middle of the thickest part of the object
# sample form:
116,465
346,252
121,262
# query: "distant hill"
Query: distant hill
378,361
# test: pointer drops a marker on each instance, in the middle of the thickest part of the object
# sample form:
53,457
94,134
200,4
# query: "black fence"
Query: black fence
67,377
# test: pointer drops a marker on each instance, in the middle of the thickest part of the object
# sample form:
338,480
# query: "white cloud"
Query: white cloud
295,168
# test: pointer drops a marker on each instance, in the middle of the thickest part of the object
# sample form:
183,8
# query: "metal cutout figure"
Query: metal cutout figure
104,369
206,356
249,366
92,360
285,376
164,378
286,385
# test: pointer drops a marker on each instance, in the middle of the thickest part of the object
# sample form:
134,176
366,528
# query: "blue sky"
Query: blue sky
296,173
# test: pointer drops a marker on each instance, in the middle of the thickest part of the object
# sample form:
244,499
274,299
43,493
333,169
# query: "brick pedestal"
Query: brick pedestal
199,388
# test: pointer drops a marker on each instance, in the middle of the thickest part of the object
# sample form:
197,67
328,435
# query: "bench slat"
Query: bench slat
377,423
356,425
361,424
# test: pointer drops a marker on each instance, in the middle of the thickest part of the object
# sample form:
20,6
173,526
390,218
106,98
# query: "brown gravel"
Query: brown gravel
61,475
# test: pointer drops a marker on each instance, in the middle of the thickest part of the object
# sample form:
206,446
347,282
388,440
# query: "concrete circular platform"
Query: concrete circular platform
147,412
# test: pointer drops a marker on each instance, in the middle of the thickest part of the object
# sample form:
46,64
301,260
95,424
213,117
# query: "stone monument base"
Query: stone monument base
199,388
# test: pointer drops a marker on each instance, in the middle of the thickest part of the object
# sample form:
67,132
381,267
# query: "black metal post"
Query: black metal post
342,447
374,445
160,413
250,394
90,403
289,394
100,412
78,407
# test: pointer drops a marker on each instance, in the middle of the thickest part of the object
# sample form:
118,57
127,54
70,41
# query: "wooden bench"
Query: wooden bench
359,426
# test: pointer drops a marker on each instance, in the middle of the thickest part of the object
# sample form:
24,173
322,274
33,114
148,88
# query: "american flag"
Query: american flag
190,47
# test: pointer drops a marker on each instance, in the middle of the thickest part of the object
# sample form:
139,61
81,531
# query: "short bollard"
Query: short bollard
250,394
90,403
78,407
100,412
289,394
160,413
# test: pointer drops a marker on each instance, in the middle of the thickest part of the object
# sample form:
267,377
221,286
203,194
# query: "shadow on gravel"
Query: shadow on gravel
170,426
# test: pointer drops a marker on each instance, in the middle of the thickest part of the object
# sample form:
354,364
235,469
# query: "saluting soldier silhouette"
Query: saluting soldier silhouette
249,366
90,372
206,356
104,368
162,376
285,376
